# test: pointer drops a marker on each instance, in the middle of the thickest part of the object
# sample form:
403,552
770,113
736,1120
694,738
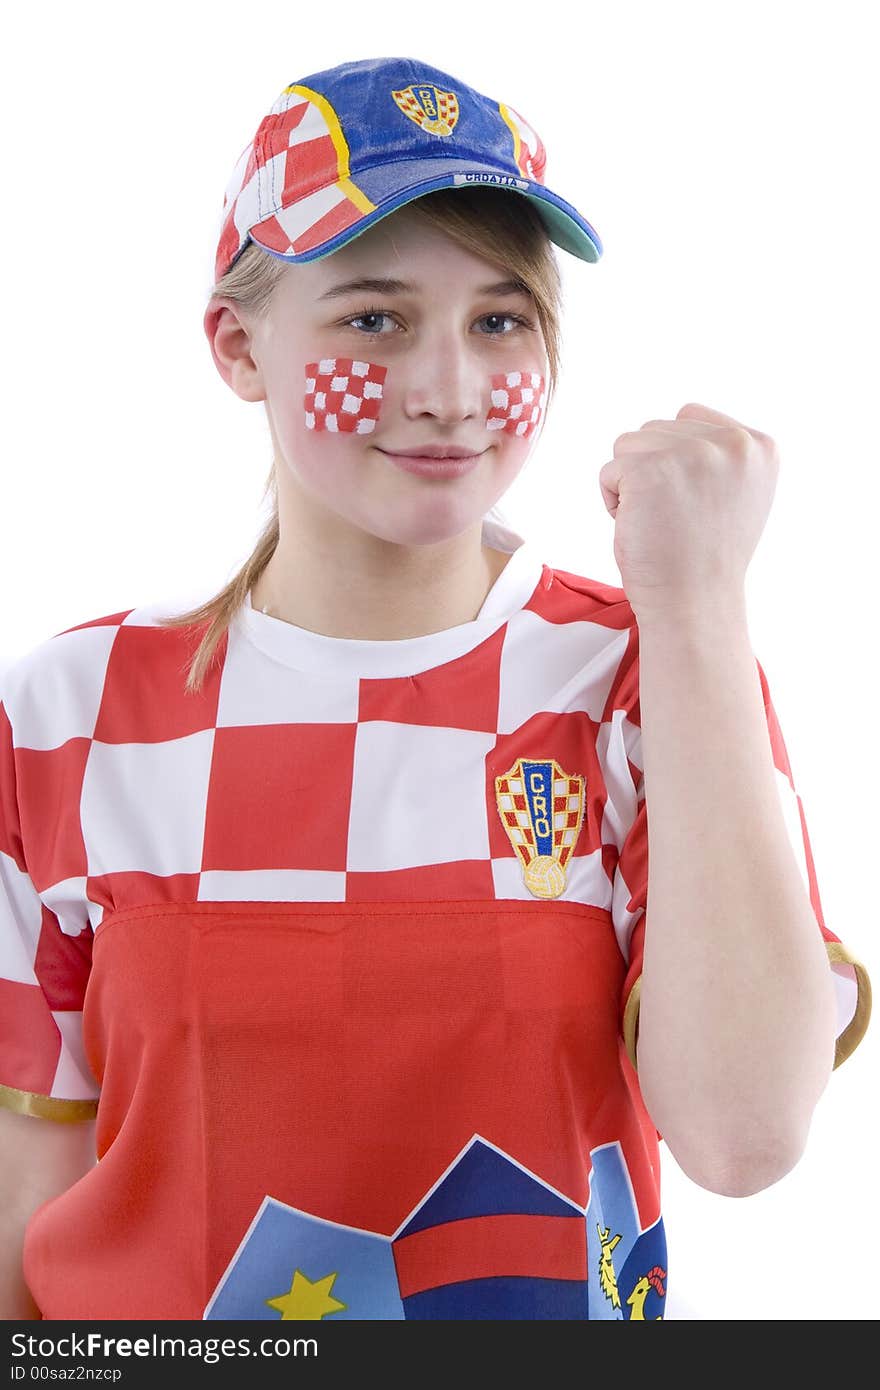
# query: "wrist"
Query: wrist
703,612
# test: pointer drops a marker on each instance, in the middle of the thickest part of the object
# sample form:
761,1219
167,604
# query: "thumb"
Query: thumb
609,480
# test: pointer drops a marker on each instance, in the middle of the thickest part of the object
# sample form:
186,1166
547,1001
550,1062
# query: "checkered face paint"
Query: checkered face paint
343,395
517,402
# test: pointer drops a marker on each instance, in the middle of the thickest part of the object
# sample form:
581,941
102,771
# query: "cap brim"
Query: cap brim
389,188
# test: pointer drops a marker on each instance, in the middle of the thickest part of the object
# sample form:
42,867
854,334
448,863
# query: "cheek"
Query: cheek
343,395
517,402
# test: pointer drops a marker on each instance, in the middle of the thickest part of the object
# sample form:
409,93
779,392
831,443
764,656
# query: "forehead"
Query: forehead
398,248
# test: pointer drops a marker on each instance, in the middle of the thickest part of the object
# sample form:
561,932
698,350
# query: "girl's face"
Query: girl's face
440,359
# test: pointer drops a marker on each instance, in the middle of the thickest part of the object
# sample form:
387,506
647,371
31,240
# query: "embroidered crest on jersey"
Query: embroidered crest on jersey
429,107
517,402
541,808
343,395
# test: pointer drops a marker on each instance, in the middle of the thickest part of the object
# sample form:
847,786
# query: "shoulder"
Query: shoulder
39,679
579,595
567,598
54,690
587,630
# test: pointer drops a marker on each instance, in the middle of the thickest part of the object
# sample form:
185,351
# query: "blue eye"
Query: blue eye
383,314
514,318
367,314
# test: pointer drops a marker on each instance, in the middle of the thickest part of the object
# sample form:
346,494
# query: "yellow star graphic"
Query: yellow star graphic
306,1301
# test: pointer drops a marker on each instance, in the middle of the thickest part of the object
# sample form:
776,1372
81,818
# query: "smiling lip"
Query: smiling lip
433,451
432,467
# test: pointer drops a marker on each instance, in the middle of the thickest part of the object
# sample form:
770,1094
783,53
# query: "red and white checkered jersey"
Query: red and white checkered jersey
349,939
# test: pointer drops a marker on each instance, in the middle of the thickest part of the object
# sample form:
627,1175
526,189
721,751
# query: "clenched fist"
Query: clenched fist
690,498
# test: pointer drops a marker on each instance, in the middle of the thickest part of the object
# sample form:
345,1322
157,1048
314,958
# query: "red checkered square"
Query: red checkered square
30,1043
144,699
267,798
343,395
517,403
50,787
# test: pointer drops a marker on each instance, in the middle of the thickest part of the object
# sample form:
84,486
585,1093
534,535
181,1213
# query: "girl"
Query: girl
329,986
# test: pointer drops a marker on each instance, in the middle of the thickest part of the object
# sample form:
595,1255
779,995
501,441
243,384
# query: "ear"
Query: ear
230,338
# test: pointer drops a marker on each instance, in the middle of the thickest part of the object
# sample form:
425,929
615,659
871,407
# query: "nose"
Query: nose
445,378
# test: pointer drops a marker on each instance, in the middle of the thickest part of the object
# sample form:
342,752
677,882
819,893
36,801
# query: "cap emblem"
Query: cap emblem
434,110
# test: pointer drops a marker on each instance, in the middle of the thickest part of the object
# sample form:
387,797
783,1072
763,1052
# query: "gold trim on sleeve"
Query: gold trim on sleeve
847,1042
855,1030
47,1107
631,1021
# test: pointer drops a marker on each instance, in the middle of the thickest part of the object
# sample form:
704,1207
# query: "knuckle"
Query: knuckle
768,444
743,436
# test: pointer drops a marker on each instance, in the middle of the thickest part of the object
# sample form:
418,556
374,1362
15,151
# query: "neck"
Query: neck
409,593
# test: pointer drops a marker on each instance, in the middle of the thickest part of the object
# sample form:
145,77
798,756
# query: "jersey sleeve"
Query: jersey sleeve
44,969
630,880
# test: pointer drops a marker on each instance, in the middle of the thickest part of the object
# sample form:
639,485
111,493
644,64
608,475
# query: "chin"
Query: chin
430,526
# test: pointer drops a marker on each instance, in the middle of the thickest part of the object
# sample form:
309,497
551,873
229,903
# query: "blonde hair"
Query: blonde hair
499,225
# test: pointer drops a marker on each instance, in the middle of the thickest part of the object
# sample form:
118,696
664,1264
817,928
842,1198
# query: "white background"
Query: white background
726,154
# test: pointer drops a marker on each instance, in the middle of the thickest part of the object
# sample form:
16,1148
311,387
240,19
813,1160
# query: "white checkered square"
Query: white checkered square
418,796
53,693
255,689
143,805
549,666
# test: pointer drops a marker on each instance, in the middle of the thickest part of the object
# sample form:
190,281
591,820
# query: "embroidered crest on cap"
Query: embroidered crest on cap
542,809
430,107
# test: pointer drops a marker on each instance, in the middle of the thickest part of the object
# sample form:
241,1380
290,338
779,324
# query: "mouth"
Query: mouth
432,467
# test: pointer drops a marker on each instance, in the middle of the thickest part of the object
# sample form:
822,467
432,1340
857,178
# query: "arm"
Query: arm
737,1013
39,1159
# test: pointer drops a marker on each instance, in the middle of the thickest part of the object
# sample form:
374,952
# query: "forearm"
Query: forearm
737,1011
16,1300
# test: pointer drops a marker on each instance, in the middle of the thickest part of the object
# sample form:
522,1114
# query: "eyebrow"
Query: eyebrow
388,286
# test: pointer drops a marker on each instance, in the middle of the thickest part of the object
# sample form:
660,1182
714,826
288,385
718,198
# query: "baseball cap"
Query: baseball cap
343,148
